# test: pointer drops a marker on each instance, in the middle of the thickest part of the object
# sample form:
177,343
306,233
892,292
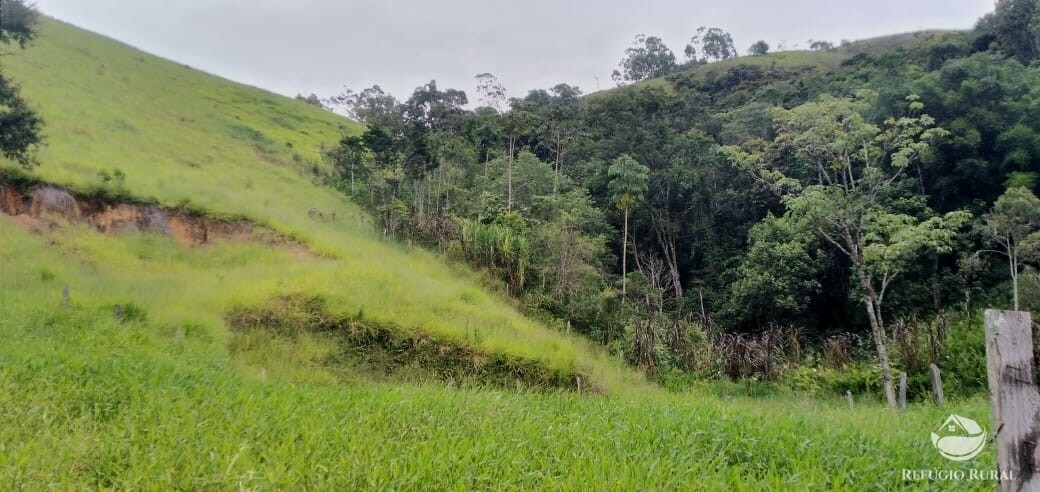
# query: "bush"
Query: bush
963,362
859,378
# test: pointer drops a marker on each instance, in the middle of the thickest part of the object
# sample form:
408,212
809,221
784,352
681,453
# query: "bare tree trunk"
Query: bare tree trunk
1013,262
624,259
509,177
446,187
559,152
878,329
666,240
417,202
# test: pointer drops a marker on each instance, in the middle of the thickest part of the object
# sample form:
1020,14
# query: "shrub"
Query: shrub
963,361
859,378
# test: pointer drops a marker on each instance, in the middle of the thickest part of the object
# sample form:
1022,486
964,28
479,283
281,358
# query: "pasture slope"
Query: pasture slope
282,349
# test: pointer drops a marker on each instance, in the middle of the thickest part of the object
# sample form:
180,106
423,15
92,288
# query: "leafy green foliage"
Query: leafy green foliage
714,45
1014,26
647,58
18,22
1014,226
844,184
964,358
692,244
19,125
628,182
776,280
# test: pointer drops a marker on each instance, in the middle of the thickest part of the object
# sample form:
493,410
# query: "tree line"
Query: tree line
733,201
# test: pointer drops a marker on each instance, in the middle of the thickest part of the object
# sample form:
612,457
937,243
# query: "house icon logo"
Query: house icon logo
959,438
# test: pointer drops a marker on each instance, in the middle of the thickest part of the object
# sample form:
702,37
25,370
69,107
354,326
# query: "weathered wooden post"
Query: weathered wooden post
848,396
902,392
937,385
1014,398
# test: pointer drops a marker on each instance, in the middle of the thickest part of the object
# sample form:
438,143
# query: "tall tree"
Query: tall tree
433,107
557,123
349,159
714,43
628,185
1015,24
777,278
648,57
759,48
370,106
490,91
563,127
19,125
515,124
847,182
1012,225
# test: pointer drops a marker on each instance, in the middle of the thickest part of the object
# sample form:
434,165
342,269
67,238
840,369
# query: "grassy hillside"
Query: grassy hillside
185,137
805,60
135,381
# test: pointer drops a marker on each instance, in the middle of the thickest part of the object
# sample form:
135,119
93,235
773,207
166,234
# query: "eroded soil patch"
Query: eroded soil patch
36,205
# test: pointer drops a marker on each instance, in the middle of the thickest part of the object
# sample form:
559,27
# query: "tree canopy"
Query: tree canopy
753,195
20,126
648,57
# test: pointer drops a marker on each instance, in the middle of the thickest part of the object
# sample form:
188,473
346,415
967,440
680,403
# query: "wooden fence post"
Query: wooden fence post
937,385
848,396
1014,398
902,392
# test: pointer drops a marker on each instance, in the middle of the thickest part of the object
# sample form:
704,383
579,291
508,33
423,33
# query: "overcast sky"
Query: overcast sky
305,46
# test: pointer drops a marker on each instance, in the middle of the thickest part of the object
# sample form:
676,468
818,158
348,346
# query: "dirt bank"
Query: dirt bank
38,205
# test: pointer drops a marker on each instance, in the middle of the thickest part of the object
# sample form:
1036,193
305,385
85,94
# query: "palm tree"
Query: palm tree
628,184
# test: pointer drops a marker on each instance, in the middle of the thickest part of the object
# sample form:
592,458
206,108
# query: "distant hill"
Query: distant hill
798,60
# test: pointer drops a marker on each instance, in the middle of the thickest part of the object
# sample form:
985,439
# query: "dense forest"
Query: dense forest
719,214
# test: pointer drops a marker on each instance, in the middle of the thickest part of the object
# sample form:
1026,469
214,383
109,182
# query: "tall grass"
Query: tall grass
90,402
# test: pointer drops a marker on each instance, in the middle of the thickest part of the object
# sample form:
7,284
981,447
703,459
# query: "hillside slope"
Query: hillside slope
797,61
186,140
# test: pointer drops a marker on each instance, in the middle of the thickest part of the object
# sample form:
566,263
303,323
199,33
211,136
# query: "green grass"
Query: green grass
171,399
100,403
185,137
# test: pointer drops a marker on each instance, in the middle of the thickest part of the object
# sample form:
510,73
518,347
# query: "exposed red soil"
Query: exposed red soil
39,205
